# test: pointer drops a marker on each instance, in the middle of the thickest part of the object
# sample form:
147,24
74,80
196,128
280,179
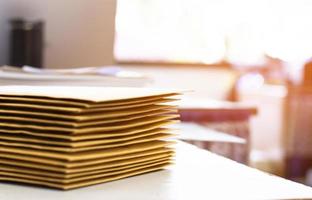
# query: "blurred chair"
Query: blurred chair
230,118
298,132
298,129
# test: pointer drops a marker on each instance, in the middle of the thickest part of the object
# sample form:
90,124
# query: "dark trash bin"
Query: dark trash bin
26,43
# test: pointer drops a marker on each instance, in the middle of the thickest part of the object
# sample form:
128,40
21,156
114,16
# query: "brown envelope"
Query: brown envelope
90,154
71,110
74,172
78,166
125,132
55,122
85,117
61,176
82,183
8,137
80,178
70,137
88,148
78,103
84,94
87,130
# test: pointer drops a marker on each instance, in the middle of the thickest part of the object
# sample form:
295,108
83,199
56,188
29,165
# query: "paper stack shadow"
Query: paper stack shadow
71,137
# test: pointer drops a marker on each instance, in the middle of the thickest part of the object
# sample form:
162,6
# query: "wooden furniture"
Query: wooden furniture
198,174
298,132
228,117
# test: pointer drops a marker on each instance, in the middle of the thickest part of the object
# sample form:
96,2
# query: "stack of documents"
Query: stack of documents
70,137
111,76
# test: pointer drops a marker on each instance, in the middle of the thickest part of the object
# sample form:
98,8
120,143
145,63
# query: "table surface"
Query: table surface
198,174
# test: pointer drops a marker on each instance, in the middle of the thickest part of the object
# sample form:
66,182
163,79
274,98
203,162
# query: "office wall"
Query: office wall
78,32
3,33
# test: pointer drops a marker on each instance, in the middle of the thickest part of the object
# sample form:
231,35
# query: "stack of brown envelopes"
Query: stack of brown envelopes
70,137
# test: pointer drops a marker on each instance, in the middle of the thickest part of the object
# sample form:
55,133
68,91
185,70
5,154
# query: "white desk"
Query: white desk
198,174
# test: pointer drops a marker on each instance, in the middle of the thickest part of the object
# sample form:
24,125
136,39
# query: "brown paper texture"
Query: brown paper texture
15,118
87,94
74,166
90,154
87,130
85,117
70,137
87,148
81,178
75,110
82,183
77,103
4,137
125,132
73,177
77,171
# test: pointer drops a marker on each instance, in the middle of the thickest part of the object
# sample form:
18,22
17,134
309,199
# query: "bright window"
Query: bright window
208,31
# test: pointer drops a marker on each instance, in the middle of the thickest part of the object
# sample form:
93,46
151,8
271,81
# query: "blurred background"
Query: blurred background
246,61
